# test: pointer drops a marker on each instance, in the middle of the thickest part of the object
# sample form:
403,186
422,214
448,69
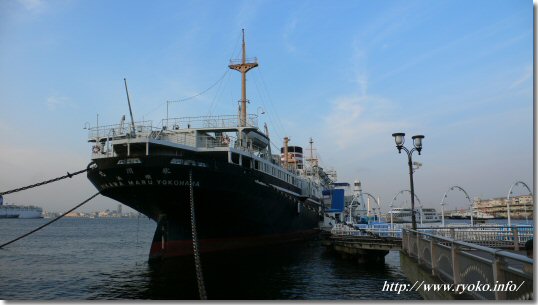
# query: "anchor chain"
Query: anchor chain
195,246
69,175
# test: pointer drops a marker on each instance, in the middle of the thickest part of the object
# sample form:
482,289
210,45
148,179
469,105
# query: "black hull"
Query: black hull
236,207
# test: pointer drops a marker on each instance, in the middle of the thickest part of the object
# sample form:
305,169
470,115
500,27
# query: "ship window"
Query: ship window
129,161
176,161
189,162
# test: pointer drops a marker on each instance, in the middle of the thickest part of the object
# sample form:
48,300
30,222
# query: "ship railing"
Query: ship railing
118,131
199,141
223,121
252,60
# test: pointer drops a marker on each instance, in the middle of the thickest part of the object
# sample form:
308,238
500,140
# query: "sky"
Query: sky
347,73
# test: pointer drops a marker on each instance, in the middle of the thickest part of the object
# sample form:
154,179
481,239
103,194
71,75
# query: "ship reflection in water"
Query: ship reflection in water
106,259
273,274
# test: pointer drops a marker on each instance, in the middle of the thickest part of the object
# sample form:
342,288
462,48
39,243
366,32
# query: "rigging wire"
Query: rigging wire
189,97
232,55
50,222
271,100
217,93
198,94
266,108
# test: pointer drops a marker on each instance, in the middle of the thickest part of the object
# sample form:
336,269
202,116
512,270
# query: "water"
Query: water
101,259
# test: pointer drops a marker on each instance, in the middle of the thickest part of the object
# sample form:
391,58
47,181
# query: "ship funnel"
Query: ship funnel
294,155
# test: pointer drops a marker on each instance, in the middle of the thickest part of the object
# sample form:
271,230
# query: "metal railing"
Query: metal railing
495,236
142,128
366,230
247,60
222,121
502,274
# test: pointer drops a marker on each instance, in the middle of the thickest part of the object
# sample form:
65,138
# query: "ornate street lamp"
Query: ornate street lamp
399,138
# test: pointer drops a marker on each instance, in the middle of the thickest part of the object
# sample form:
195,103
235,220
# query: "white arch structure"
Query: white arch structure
416,197
508,199
377,202
445,196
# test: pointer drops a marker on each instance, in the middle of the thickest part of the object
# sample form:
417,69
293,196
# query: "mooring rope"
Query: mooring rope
69,175
195,246
48,223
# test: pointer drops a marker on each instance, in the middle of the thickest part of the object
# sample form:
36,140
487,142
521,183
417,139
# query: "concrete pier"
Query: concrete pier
364,249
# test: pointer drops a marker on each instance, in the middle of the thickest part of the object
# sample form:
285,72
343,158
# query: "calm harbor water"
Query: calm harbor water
106,259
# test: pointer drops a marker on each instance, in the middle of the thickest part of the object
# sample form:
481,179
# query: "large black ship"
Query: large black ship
244,196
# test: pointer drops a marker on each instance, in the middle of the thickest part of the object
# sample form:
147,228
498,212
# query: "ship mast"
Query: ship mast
244,66
313,161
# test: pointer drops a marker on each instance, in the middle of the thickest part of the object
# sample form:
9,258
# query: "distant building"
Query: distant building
72,214
103,213
520,206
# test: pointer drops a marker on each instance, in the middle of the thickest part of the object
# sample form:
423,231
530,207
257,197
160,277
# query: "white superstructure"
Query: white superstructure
19,211
402,215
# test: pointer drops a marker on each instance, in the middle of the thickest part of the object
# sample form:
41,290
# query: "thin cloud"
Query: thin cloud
55,102
353,119
247,12
32,5
486,31
289,29
522,79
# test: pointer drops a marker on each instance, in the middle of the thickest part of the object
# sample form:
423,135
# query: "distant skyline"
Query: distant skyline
346,73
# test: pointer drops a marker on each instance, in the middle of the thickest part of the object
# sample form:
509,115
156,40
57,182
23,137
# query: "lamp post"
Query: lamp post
391,212
417,143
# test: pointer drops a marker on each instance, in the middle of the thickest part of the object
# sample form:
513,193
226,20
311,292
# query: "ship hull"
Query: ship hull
235,207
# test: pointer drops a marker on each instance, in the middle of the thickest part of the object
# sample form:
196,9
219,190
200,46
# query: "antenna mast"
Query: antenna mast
243,66
130,111
312,160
